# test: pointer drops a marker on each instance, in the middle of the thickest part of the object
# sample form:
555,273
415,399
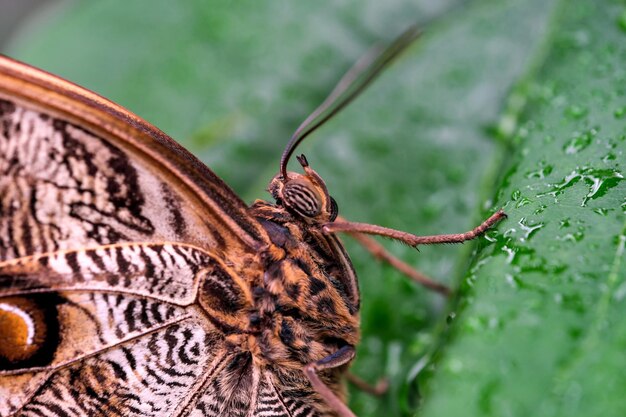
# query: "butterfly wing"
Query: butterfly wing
107,228
242,390
77,170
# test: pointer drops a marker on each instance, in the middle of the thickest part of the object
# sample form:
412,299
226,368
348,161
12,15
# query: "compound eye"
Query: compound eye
302,198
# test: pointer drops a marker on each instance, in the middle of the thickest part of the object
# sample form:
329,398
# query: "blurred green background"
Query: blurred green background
518,104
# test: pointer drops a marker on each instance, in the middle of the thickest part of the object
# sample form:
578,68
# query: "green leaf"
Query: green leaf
530,331
539,329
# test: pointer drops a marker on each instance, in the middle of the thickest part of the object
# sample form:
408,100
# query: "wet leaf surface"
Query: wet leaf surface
539,329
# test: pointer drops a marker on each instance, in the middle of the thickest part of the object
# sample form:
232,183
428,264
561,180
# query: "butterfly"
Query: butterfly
135,282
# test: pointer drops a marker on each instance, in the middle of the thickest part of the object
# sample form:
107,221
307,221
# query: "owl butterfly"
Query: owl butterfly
134,282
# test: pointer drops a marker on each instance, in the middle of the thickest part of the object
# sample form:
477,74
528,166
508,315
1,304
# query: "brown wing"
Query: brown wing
107,228
115,331
77,170
238,388
112,330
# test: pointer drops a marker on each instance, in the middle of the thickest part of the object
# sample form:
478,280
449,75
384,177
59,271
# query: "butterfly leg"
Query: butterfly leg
337,359
411,239
381,387
380,253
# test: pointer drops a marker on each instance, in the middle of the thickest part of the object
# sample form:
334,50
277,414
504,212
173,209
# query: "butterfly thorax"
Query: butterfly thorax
306,304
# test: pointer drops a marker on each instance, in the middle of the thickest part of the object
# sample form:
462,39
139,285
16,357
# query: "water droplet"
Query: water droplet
575,112
491,236
619,112
573,237
523,202
569,180
529,229
540,173
528,260
507,125
578,143
610,144
515,195
598,180
609,157
601,211
540,209
450,317
510,254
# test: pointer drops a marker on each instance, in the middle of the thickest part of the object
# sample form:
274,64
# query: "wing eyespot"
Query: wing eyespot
29,331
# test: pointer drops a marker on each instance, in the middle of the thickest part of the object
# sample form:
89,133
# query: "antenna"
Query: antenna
353,83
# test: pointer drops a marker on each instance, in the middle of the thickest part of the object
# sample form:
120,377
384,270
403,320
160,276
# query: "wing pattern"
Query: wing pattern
146,377
106,313
278,400
62,187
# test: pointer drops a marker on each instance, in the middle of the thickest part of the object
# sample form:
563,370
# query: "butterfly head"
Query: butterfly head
305,194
